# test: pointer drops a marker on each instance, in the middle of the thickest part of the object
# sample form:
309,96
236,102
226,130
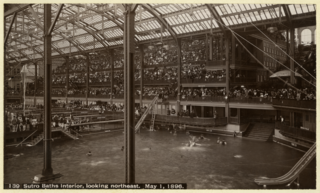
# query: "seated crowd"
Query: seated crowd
117,91
59,79
160,74
159,54
77,91
280,93
100,77
186,93
77,78
162,91
60,69
196,72
193,50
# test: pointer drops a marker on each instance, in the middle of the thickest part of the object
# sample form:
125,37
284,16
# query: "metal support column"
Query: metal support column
141,72
35,82
129,133
67,78
179,76
292,78
210,50
87,78
47,172
227,114
112,74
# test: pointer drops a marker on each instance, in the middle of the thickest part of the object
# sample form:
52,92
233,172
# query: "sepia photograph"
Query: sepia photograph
159,96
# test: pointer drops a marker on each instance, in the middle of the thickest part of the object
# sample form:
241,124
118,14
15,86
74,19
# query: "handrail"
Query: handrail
27,138
296,170
99,122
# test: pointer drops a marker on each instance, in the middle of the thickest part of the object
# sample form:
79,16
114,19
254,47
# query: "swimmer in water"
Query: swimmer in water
89,153
218,141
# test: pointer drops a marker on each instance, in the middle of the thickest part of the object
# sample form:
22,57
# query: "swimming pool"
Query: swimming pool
161,158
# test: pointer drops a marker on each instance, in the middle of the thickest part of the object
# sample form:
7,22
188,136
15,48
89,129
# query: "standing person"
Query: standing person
215,114
14,123
168,111
28,124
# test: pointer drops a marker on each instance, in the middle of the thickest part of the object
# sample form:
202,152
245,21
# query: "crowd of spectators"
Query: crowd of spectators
118,77
77,78
162,91
193,50
100,77
60,69
99,91
58,91
99,62
159,55
280,93
167,74
59,79
77,91
196,72
19,122
12,92
77,64
202,92
118,61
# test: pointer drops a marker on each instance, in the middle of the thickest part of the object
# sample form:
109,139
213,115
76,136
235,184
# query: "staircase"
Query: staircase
68,134
259,131
36,140
40,137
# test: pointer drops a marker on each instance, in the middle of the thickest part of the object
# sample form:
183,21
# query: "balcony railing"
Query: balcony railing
214,63
297,132
295,103
105,96
100,83
154,82
203,98
58,95
204,81
58,85
207,122
76,95
256,100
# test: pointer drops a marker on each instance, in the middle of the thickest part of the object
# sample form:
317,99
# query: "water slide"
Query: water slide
145,113
293,174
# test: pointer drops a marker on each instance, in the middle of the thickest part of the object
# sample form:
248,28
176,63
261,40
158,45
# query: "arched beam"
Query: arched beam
111,18
17,50
91,32
288,14
217,17
58,34
35,37
160,20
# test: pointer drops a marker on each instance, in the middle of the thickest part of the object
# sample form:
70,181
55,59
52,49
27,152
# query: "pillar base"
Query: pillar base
43,178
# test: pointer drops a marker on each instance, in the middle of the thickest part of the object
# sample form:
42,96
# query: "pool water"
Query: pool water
161,157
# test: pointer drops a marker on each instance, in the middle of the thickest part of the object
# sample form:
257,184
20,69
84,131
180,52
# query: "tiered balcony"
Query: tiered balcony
292,103
204,81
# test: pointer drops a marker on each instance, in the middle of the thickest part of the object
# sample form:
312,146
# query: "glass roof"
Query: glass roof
82,27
